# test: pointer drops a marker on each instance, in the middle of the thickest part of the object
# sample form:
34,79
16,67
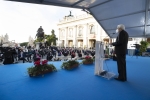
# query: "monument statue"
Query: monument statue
40,33
31,41
6,38
40,36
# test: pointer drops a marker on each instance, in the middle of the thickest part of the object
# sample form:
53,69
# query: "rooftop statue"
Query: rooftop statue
70,15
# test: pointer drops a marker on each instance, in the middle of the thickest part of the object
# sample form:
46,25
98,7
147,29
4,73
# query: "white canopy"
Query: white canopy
134,14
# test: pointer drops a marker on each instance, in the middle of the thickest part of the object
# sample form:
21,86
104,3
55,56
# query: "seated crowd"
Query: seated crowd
11,55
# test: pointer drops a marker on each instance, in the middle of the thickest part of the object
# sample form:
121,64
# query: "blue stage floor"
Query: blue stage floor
77,84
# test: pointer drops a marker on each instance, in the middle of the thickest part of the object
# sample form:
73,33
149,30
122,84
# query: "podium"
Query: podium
99,61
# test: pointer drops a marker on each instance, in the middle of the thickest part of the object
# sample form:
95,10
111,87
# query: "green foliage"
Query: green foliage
39,40
143,46
70,64
51,38
24,44
40,68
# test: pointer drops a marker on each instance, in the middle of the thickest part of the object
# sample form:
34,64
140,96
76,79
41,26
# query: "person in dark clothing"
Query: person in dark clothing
59,53
22,56
137,49
72,55
120,51
8,57
29,55
92,53
50,56
54,53
80,54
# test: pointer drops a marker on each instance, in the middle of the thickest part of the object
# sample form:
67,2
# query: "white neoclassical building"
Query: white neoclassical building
80,31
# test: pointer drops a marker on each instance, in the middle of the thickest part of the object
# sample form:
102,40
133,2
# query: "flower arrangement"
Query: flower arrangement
40,68
68,65
88,60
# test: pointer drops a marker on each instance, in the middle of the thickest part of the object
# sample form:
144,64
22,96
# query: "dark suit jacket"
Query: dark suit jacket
121,43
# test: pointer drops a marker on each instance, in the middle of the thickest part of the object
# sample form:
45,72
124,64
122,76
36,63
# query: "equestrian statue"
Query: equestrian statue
40,33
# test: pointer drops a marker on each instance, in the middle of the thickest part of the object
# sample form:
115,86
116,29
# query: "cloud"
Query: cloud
21,20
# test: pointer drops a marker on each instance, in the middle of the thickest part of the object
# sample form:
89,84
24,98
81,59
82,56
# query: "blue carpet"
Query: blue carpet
77,84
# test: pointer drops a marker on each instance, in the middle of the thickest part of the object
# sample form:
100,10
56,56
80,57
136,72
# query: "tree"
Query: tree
24,44
51,38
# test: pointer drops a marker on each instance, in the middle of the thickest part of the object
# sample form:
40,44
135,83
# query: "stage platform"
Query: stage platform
77,84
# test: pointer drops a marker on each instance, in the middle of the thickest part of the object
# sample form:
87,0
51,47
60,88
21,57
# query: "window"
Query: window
92,29
80,31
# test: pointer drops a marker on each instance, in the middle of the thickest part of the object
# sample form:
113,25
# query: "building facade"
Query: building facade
80,31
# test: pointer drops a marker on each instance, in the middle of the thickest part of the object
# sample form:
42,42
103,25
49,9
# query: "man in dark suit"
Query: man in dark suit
120,50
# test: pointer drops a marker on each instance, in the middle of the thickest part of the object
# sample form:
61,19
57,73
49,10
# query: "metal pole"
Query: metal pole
146,16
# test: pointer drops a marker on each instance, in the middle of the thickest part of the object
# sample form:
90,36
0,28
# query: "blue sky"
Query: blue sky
21,20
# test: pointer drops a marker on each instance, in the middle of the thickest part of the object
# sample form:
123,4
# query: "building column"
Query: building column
66,36
75,36
98,34
59,34
88,43
101,33
85,35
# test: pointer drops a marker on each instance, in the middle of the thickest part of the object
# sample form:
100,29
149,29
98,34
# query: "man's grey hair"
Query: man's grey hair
121,26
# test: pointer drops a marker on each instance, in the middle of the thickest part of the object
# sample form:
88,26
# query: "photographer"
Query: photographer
8,56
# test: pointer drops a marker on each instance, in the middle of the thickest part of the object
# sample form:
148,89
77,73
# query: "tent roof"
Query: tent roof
134,14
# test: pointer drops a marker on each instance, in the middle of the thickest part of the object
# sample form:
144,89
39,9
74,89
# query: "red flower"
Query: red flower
87,57
44,62
36,63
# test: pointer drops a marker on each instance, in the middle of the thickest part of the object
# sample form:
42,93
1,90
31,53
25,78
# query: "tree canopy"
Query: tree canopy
51,39
24,44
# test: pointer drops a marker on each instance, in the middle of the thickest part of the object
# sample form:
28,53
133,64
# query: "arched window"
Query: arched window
92,29
80,33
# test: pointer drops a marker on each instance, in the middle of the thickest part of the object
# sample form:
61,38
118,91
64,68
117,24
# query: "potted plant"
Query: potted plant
68,65
88,60
143,47
40,68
